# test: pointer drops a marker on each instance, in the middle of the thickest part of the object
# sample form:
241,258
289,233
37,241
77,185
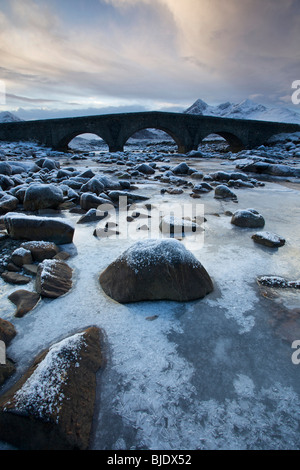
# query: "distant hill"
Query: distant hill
6,116
247,109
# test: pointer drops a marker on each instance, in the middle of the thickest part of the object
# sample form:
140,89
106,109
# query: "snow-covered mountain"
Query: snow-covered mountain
6,116
247,109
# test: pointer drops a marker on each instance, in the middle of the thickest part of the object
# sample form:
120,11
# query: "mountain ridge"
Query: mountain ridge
246,109
6,116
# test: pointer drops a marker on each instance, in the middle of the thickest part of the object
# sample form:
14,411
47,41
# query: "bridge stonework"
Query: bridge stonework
187,130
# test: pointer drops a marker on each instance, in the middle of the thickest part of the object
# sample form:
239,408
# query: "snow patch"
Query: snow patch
151,251
41,394
47,268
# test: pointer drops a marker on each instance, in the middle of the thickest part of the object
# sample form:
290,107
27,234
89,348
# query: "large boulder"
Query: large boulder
51,407
248,218
24,227
156,270
42,196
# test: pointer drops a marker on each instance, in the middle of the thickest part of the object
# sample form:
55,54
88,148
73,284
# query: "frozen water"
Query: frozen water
208,374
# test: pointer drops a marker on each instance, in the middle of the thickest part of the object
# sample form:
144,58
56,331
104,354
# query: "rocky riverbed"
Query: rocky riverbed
213,371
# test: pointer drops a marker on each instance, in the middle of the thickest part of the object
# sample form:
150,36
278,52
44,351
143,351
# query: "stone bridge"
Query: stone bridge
187,130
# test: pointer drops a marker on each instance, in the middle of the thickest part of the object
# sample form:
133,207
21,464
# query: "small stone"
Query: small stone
30,268
15,278
12,267
93,215
24,300
268,239
223,192
62,255
21,256
152,317
248,218
41,250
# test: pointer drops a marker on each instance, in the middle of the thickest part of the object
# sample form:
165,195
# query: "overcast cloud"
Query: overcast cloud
63,55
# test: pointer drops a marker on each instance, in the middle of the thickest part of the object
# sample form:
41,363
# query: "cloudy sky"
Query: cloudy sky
73,57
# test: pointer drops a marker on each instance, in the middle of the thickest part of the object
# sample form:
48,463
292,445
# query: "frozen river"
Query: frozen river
215,373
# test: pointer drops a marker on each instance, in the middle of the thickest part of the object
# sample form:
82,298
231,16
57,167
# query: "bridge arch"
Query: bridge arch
63,143
171,134
235,143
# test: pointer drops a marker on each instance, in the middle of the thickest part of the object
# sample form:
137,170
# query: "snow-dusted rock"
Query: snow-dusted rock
6,182
48,163
91,201
268,239
223,192
92,186
51,407
156,270
41,250
145,169
220,176
53,278
202,188
277,281
181,169
274,169
5,168
197,175
21,256
175,225
25,227
42,196
8,203
131,197
19,167
92,216
248,218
